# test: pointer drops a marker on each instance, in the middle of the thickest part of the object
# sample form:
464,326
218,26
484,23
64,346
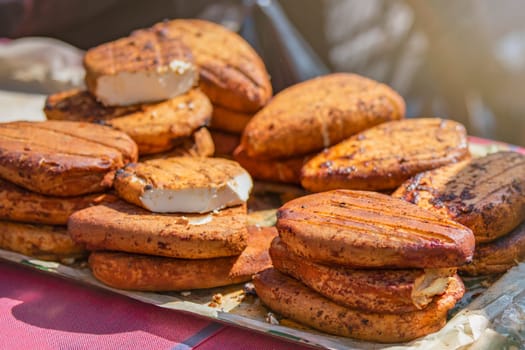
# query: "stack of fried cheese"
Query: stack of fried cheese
232,75
142,85
305,118
383,157
48,170
364,265
486,194
181,225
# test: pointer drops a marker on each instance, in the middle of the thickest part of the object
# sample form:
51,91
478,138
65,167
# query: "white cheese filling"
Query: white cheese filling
128,88
199,220
433,282
199,200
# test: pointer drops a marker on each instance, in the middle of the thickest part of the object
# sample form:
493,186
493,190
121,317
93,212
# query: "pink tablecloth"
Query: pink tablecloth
40,311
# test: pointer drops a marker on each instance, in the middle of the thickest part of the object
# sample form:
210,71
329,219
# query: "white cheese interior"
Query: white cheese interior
199,220
128,88
200,199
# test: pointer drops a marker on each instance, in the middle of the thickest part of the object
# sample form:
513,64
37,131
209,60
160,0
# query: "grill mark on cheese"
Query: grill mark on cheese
158,168
480,200
377,218
237,69
100,142
366,238
374,152
384,156
486,180
44,158
368,209
127,55
396,229
116,71
159,56
485,194
479,182
200,50
369,229
416,158
171,168
57,151
60,134
174,166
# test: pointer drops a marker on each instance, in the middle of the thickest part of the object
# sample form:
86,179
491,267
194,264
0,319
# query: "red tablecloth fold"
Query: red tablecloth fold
41,311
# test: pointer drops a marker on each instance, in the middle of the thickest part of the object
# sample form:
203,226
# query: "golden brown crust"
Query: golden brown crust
498,256
125,227
384,156
369,229
485,194
143,50
155,127
151,273
199,144
61,158
175,173
40,241
256,256
80,106
158,274
275,170
231,72
225,143
319,113
19,204
292,299
228,120
95,133
388,291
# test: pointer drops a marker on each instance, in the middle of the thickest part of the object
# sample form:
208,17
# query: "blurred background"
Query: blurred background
463,60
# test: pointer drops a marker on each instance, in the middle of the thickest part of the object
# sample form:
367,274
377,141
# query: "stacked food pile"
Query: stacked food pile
232,75
365,265
382,157
347,260
181,225
347,253
487,195
48,171
144,85
302,120
174,126
186,214
178,218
